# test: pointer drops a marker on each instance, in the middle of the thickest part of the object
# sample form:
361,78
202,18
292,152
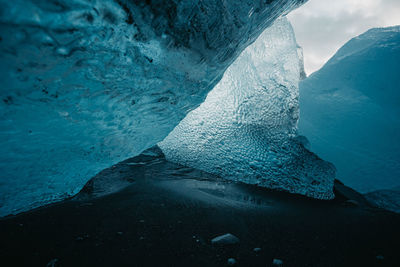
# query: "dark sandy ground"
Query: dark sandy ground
167,214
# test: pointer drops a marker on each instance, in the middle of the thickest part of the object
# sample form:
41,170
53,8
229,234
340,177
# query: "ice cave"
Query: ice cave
187,133
84,83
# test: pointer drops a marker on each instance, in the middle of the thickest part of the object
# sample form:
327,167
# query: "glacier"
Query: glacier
246,129
350,111
388,199
86,84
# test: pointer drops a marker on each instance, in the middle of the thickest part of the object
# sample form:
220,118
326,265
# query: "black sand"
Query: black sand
168,214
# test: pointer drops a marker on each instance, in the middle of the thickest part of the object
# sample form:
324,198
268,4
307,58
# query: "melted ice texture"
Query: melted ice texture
246,129
85,84
350,111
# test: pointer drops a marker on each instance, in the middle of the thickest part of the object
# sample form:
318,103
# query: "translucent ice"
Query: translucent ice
350,110
246,129
87,83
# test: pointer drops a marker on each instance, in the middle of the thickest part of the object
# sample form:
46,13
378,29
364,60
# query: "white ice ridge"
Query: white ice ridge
246,130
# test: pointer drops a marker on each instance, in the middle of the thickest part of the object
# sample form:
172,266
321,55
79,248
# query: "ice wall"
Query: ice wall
246,130
85,83
350,110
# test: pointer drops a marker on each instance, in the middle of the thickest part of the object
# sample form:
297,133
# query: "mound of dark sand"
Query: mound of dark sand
147,211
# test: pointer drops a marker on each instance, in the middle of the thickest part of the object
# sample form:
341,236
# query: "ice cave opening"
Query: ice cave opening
86,84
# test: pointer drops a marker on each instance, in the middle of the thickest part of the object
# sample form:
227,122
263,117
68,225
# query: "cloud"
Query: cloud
323,26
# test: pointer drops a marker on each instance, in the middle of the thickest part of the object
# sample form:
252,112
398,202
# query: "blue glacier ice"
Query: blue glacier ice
350,111
85,84
388,199
246,129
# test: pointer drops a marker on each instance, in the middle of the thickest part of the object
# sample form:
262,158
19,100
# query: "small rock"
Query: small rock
351,203
231,262
52,263
277,262
119,233
226,239
380,257
256,250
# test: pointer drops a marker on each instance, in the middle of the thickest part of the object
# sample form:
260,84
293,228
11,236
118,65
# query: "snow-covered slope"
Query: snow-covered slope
87,83
246,130
350,110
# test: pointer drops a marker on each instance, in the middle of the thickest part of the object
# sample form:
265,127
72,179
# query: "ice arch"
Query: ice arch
87,83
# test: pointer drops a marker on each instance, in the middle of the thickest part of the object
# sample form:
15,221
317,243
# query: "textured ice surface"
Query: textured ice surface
388,199
246,129
350,110
85,84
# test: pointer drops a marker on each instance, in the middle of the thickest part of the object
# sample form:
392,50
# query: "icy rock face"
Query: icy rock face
350,110
246,130
85,84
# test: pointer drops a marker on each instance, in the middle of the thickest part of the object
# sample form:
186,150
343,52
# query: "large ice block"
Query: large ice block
246,130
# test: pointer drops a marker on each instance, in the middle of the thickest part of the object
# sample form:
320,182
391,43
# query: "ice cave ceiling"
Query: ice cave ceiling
86,84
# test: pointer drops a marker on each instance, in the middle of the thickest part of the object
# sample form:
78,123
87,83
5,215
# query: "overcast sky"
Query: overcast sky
323,26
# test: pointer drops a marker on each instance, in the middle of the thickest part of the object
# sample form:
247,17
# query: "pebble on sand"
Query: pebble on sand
226,239
52,263
231,262
277,262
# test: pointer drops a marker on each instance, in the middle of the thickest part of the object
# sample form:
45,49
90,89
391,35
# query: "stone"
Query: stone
226,239
231,262
277,262
256,250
